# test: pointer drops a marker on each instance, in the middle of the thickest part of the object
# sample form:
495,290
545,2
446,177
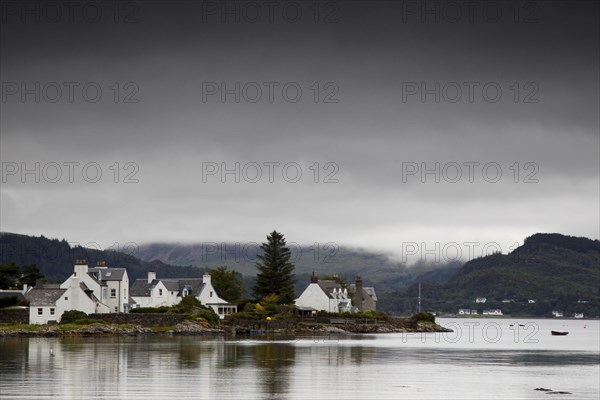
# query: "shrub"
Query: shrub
206,314
245,315
423,317
186,305
74,316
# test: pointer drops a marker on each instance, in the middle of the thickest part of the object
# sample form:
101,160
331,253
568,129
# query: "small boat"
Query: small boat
557,333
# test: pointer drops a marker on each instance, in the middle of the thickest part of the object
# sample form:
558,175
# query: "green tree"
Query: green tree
30,274
275,271
228,284
8,275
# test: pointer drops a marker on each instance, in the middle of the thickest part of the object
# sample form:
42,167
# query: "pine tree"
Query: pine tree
275,271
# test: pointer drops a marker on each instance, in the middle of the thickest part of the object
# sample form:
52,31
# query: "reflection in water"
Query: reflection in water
373,367
273,362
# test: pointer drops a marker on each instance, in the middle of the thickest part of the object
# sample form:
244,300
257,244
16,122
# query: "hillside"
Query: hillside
376,269
558,272
56,258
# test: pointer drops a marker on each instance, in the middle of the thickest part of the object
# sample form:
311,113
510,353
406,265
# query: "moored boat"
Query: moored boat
557,333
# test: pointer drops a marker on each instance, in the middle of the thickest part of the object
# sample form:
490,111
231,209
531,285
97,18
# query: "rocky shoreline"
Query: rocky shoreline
190,328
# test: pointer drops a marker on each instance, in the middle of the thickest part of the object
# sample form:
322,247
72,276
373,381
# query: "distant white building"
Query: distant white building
492,312
531,301
153,292
578,315
557,314
480,300
324,295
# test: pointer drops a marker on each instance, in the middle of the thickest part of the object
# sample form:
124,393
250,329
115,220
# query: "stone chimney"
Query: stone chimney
100,264
358,282
314,278
151,276
206,278
81,269
358,294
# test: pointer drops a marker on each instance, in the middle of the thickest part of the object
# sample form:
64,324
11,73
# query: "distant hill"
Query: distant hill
558,272
376,269
56,258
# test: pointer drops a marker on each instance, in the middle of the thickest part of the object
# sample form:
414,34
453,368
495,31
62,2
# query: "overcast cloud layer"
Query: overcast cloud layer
362,68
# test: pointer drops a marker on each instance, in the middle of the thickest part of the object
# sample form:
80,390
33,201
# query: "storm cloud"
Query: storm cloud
370,124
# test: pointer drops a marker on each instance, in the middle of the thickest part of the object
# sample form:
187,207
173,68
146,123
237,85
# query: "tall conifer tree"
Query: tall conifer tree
275,271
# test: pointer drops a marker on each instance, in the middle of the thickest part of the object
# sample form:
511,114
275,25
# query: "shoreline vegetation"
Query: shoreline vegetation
325,324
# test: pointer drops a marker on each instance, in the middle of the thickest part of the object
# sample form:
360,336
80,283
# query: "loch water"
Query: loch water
481,359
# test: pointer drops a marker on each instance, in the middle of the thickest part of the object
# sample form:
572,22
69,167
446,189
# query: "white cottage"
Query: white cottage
153,292
47,304
324,296
109,285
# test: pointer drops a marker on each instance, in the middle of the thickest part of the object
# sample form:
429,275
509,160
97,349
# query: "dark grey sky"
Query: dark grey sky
374,58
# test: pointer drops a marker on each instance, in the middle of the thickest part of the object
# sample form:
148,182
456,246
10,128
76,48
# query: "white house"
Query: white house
324,296
109,285
480,300
467,311
48,304
531,301
153,292
557,314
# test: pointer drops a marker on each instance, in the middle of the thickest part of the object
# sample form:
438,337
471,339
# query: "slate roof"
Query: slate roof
107,274
12,293
369,290
44,297
141,287
328,286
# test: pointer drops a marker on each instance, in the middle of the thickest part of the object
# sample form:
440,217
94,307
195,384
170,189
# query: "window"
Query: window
113,292
210,294
160,292
116,309
40,311
66,298
52,311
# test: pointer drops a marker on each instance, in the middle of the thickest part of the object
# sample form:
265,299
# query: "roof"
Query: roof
44,297
369,290
12,293
328,286
107,274
306,308
141,287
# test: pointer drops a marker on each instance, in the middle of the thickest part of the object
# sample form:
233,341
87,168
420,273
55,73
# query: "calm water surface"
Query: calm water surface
482,359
